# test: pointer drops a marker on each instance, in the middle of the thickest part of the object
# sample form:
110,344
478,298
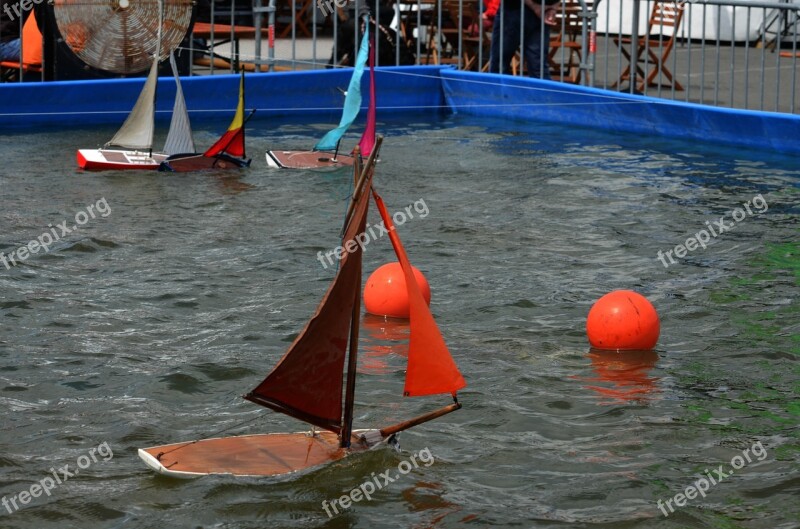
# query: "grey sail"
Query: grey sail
179,138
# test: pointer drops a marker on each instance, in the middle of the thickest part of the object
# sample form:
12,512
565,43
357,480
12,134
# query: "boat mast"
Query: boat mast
159,36
352,357
352,362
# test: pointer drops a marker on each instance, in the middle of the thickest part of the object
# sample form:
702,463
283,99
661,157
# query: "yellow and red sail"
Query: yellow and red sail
232,142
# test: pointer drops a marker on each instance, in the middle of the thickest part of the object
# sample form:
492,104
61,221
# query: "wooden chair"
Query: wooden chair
454,23
665,19
284,11
476,42
565,40
31,52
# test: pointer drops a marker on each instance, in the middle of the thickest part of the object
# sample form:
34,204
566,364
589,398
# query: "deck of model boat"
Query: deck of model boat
99,159
307,159
251,455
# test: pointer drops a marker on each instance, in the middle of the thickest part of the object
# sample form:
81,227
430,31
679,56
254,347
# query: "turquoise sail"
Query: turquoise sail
352,102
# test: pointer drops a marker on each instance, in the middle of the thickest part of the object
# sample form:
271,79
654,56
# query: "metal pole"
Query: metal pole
634,47
258,21
212,53
588,45
21,49
234,42
271,11
257,10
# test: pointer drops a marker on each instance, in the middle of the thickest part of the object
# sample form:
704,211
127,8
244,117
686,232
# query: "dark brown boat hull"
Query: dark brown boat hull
184,163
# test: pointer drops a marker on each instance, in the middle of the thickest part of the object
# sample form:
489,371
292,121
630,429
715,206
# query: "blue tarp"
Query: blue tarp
304,93
403,90
521,98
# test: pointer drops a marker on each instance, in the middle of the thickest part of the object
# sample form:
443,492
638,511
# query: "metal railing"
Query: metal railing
733,53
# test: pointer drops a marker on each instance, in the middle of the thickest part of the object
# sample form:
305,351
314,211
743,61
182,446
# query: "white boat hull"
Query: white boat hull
118,159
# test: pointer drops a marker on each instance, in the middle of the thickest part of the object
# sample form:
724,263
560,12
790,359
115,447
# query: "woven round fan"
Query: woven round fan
120,35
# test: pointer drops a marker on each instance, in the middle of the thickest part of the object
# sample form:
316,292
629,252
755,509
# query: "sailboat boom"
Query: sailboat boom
405,425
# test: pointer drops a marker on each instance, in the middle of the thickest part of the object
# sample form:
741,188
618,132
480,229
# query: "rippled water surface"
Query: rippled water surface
145,326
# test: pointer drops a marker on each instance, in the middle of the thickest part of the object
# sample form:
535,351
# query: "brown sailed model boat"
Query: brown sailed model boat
309,380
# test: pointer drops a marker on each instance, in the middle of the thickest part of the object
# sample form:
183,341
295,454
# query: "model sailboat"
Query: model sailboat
227,153
326,151
134,140
311,382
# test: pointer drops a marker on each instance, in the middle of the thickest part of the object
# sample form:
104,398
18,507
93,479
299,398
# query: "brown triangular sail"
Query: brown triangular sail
431,369
307,382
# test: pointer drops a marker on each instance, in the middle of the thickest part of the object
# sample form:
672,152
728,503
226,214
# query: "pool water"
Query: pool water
146,325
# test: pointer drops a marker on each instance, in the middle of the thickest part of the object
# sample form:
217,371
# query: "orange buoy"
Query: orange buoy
385,293
623,320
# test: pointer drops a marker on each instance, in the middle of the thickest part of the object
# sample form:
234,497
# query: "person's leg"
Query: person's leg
509,21
10,50
537,42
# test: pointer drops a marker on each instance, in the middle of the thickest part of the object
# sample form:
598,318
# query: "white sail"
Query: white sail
137,131
179,138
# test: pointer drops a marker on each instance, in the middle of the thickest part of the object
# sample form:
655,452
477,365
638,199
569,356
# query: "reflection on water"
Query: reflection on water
231,181
383,342
623,376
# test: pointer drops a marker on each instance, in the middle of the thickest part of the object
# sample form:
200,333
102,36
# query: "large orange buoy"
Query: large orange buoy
385,293
623,320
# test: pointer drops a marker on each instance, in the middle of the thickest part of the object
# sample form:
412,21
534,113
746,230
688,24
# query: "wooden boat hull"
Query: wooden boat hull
118,159
183,163
307,160
262,455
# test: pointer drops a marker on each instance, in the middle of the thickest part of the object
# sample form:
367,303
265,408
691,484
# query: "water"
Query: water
145,326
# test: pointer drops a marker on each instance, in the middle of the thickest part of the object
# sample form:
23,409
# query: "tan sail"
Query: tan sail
137,131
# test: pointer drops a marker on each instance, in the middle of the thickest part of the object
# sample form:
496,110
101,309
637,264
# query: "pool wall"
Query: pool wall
522,98
312,93
434,89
